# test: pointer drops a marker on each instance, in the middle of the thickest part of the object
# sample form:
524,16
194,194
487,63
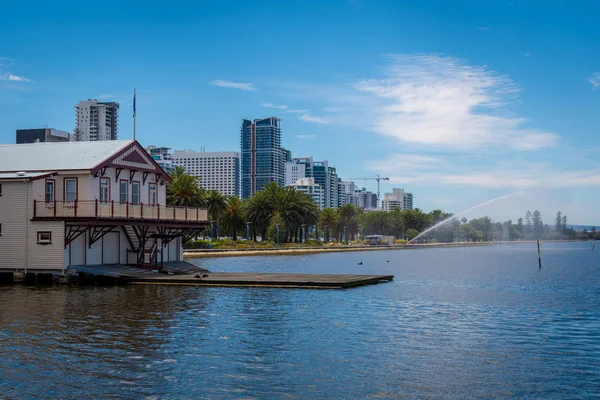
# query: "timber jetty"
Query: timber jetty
183,273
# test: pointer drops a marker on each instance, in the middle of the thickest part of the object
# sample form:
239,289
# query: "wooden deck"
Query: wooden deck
187,274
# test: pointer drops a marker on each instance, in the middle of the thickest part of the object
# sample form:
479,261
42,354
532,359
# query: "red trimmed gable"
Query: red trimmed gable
133,157
136,158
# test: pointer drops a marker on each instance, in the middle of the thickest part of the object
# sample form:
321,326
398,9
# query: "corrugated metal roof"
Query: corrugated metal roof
57,156
19,175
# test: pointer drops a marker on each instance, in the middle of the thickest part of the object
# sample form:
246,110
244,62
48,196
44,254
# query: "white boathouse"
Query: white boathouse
88,203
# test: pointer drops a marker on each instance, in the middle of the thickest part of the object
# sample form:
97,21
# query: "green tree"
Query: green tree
484,225
520,226
349,218
328,222
558,224
184,190
538,225
466,232
232,220
216,204
416,219
258,212
411,234
528,224
286,207
398,221
377,223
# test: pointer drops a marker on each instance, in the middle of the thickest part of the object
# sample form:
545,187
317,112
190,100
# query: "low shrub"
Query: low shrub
313,242
198,244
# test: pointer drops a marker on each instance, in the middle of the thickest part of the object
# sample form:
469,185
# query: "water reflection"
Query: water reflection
455,323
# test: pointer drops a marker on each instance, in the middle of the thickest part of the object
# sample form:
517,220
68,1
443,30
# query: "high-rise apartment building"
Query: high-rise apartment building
298,168
163,157
408,201
397,199
41,135
348,193
367,200
218,171
310,188
393,200
324,175
262,157
96,120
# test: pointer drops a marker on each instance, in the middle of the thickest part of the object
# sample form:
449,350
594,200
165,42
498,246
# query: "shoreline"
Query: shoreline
213,253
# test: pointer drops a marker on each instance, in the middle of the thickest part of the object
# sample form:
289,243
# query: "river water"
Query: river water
462,323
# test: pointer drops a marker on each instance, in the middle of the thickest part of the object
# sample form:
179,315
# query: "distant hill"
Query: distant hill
583,227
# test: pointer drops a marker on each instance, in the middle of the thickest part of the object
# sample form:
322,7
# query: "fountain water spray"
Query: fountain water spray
462,213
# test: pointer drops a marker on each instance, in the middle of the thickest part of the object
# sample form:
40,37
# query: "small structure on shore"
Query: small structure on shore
87,203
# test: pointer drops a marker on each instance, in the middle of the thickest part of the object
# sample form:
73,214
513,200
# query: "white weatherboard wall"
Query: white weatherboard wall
13,203
110,244
19,248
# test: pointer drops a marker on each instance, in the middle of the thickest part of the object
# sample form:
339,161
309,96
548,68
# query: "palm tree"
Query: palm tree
286,207
290,209
184,189
216,204
258,212
232,219
349,218
329,220
377,223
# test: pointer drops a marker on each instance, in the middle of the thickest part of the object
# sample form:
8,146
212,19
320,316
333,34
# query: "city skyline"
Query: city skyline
459,103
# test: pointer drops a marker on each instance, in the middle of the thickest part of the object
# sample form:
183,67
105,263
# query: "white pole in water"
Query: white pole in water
134,114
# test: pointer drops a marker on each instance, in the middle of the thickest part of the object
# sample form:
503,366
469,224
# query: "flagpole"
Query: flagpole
134,114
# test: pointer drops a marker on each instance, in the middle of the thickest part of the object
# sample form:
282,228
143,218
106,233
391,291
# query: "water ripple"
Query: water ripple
456,323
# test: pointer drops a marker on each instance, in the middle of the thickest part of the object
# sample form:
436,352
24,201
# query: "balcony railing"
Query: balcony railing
98,209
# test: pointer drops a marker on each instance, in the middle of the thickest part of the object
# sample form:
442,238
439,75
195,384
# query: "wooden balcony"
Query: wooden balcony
94,209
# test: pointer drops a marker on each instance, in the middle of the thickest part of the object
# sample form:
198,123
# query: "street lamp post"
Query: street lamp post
345,238
277,234
248,230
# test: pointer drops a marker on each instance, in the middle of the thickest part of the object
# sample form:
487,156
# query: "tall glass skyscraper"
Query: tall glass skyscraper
262,157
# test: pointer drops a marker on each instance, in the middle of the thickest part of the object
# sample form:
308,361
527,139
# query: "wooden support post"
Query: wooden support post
539,254
112,208
55,207
75,207
96,207
34,208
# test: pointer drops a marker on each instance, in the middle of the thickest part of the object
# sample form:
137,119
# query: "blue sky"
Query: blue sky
458,101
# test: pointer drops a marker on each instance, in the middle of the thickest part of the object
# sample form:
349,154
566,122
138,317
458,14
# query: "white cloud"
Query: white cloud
13,78
269,105
307,137
453,172
313,119
433,100
595,80
334,109
296,111
233,85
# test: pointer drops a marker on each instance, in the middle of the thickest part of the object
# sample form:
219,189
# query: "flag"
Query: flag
133,103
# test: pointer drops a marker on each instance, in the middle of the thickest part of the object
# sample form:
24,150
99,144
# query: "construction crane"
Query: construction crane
377,178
